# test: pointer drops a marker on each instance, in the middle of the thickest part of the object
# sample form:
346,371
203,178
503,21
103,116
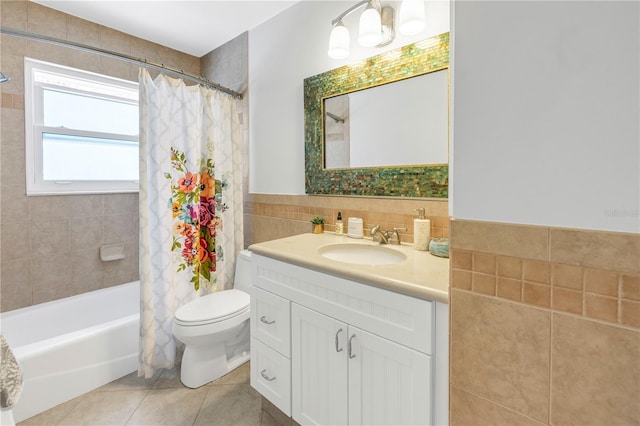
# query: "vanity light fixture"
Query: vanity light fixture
3,78
376,25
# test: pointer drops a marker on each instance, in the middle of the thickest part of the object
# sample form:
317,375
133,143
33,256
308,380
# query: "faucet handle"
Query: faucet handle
395,236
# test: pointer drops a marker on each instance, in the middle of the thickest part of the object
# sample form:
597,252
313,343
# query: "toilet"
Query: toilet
215,329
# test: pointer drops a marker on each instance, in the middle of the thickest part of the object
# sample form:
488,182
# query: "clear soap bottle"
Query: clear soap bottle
339,225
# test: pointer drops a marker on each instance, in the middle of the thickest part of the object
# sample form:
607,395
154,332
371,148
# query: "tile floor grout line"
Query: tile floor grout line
138,406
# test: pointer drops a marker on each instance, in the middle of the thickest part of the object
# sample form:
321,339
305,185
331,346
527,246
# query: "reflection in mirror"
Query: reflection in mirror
397,124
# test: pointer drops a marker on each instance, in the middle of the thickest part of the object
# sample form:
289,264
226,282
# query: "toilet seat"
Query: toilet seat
213,308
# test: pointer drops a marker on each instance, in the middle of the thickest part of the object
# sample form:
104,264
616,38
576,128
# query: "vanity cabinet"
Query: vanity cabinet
344,375
352,353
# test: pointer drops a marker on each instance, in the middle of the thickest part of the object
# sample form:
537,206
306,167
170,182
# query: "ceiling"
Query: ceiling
193,27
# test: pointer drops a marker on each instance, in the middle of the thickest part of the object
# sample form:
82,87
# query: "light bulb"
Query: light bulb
339,42
370,33
412,17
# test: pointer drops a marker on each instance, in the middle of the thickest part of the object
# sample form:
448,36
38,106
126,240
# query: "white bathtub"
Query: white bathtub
71,346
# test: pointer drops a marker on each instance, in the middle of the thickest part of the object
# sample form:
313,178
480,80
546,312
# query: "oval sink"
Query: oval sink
362,254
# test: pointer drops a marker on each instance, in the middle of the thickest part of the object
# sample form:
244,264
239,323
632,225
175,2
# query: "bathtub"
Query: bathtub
71,346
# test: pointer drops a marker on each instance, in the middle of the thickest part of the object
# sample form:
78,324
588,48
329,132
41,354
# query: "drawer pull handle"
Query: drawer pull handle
350,347
263,373
266,321
338,348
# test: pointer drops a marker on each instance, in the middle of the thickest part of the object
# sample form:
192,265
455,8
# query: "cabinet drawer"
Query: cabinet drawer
271,320
271,375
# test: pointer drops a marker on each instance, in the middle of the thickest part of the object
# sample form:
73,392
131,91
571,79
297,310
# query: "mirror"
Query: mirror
367,128
334,100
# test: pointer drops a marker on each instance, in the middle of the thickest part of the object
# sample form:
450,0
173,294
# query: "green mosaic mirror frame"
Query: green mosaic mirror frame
429,181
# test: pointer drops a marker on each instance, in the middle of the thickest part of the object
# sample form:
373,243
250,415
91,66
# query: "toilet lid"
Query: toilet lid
214,307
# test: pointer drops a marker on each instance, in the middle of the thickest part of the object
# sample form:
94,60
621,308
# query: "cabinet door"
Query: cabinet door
388,383
318,368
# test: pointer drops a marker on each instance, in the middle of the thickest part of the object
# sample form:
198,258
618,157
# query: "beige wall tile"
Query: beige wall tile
15,290
461,279
44,20
508,288
539,272
595,375
47,52
596,249
509,267
460,259
86,205
13,160
87,271
48,207
630,287
566,276
484,284
50,237
630,313
14,14
500,238
468,409
12,129
82,31
15,240
513,369
14,204
86,233
601,307
567,300
484,263
50,278
536,294
601,282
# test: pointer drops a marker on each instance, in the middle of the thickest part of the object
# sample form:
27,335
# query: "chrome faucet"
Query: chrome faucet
379,235
386,237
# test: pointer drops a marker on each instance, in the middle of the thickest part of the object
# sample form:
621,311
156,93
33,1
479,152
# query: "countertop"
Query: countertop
421,275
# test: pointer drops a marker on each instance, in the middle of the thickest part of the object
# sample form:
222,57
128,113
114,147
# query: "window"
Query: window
81,131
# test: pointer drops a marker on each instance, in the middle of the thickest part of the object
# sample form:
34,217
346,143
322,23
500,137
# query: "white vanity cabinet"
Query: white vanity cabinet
344,375
356,354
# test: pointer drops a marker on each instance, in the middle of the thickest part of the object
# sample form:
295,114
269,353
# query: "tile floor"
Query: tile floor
162,400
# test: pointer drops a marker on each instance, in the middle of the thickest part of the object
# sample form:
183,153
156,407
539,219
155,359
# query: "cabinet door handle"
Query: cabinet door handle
338,348
350,347
266,321
263,373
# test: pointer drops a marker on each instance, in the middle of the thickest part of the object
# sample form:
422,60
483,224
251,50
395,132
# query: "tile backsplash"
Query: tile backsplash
269,217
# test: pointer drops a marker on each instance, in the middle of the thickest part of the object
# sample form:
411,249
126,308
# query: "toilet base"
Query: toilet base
196,372
202,364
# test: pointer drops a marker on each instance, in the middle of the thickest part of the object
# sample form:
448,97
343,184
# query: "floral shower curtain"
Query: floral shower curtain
190,205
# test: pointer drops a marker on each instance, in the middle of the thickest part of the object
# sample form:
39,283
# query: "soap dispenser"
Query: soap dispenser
339,225
421,230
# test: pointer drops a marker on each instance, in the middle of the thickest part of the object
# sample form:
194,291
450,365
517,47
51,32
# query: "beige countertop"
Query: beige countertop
420,275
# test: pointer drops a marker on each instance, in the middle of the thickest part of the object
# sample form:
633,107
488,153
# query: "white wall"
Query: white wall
282,53
546,121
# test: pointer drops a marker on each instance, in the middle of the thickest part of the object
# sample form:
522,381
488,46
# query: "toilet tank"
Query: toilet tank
242,280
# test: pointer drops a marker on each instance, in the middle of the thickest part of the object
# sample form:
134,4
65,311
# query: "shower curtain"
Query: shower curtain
190,205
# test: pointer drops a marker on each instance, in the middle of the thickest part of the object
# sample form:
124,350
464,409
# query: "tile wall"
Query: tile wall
268,216
50,244
545,325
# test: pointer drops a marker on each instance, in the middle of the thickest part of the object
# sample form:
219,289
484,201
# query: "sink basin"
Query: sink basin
362,254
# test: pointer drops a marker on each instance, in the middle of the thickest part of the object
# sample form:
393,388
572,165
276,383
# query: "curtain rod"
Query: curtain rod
122,56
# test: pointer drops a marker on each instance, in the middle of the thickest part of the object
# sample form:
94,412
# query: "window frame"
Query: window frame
34,128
